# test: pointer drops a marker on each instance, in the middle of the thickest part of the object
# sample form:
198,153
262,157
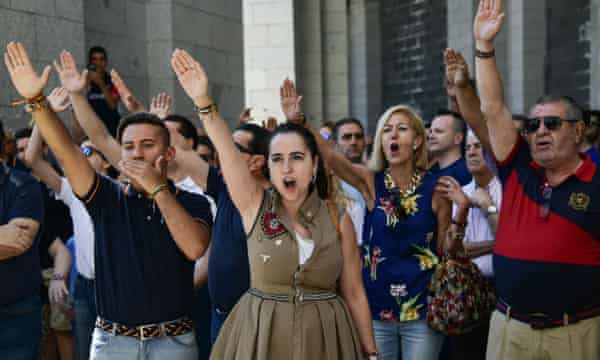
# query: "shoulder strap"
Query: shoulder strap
335,217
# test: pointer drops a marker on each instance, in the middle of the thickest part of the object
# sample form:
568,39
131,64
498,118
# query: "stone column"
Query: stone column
269,48
594,33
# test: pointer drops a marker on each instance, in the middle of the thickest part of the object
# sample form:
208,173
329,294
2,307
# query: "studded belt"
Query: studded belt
299,297
149,331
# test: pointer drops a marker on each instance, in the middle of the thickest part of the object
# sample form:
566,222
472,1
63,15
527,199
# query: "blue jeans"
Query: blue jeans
217,319
417,339
84,306
106,346
21,329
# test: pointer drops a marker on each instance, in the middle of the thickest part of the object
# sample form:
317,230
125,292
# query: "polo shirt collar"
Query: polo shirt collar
584,173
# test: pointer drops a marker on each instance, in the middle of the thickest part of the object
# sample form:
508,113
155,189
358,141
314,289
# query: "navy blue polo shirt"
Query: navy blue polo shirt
142,277
228,266
458,170
548,264
20,197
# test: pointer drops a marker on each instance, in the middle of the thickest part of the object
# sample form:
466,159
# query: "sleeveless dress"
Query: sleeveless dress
291,327
399,253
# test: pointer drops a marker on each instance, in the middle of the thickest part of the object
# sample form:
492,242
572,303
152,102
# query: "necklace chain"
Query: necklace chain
415,181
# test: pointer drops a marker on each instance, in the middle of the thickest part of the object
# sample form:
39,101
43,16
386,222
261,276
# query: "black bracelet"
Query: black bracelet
206,110
485,54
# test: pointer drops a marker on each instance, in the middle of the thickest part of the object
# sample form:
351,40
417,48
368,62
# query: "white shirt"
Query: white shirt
190,186
305,248
83,229
356,210
478,228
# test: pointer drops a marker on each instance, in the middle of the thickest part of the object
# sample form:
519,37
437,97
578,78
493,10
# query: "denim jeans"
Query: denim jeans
106,346
21,329
217,319
84,307
417,340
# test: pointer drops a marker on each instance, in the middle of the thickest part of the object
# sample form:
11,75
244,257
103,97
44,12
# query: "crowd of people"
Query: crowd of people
146,237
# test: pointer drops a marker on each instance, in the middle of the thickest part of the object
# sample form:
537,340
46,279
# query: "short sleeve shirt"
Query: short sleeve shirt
142,277
20,197
457,170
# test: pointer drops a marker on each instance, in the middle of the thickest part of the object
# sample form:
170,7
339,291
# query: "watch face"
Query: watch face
492,210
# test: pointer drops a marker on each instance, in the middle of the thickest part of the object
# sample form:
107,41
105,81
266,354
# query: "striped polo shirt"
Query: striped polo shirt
547,253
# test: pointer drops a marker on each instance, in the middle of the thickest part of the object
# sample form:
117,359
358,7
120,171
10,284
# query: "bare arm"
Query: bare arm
132,104
443,215
358,176
39,166
245,191
17,236
477,249
201,270
502,132
57,290
351,285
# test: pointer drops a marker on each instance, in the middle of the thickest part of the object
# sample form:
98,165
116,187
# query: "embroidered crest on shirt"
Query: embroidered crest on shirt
579,201
271,226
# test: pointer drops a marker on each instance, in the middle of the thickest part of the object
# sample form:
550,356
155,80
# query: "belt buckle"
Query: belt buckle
144,337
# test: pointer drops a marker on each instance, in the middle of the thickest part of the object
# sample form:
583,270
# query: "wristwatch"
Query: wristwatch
490,210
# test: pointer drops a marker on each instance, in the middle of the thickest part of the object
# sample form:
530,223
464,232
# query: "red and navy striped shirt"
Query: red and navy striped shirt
548,262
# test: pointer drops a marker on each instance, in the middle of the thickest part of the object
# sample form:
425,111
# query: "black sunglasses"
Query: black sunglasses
550,122
546,192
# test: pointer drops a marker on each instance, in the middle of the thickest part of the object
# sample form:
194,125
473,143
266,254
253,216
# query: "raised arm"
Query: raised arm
358,176
132,104
469,104
31,86
38,165
502,132
161,105
245,191
75,83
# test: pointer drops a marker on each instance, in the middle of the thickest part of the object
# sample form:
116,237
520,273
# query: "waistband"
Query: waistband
299,297
540,321
148,331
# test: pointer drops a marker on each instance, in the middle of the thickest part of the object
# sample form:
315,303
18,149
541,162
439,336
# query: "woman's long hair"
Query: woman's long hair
378,162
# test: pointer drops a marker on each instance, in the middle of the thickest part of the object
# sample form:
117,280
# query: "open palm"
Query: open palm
70,77
25,79
190,73
488,20
291,102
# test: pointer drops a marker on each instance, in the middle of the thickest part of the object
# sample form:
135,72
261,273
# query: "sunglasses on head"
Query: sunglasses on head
243,149
550,122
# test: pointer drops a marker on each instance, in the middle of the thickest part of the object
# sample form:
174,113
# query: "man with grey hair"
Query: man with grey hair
547,253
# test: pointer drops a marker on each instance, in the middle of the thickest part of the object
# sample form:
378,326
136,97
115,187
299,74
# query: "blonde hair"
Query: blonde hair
378,162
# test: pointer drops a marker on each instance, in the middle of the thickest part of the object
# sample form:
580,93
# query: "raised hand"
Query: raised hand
457,71
161,105
25,79
245,115
291,102
132,104
148,176
70,77
488,20
192,77
59,99
270,124
451,190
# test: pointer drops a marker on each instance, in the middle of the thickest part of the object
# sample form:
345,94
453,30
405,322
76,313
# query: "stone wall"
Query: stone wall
45,27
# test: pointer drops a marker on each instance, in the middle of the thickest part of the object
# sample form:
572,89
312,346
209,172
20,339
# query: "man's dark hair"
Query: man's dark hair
345,121
186,128
574,111
458,123
328,124
97,50
259,145
205,140
23,133
520,117
143,118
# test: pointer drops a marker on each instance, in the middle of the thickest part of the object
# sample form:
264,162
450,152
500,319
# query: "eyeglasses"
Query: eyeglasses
550,122
243,149
546,192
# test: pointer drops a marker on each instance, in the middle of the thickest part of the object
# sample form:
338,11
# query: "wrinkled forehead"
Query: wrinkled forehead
557,108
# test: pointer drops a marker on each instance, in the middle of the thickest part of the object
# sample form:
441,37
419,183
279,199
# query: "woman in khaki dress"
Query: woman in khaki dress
306,291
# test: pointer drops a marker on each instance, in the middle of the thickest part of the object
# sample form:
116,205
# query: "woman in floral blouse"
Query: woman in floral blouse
405,226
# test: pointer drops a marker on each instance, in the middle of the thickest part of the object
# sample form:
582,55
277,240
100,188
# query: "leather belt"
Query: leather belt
149,331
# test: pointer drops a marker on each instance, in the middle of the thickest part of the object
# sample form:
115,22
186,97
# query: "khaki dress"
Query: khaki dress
291,327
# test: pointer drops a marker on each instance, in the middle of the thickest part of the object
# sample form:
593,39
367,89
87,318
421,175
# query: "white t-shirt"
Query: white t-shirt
478,228
305,248
356,210
83,229
190,186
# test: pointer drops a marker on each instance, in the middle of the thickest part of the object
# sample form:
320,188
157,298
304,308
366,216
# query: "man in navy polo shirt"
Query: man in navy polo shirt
228,267
444,142
21,213
547,254
147,233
